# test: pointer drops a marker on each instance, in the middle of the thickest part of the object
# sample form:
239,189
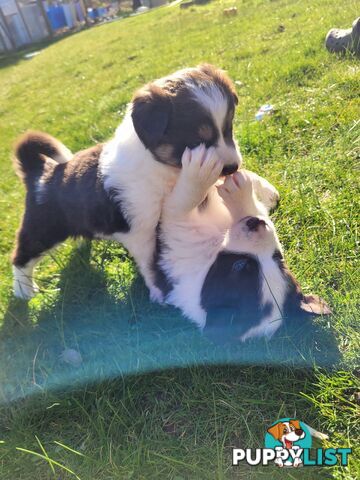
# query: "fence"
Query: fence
24,23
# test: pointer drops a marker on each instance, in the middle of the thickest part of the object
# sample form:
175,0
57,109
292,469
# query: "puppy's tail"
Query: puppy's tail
33,149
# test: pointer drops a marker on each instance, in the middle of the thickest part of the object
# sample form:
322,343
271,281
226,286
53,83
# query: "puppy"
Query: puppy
115,190
223,265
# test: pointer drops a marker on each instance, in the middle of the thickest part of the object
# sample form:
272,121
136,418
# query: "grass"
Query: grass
181,423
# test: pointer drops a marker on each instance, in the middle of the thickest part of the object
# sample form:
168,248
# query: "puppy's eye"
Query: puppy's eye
193,145
206,132
238,265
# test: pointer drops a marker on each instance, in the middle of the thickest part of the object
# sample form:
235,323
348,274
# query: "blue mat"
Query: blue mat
68,344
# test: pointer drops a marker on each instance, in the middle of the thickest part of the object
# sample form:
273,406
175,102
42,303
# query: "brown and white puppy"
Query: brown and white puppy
223,265
116,190
287,432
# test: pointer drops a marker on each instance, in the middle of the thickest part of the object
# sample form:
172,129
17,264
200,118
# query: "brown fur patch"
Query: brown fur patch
206,132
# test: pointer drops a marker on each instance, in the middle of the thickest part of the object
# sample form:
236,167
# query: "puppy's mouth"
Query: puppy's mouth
229,169
288,444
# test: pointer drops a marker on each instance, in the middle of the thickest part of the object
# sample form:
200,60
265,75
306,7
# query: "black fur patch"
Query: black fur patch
231,296
73,203
161,279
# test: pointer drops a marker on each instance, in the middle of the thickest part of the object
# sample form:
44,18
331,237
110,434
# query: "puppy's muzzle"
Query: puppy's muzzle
229,169
253,223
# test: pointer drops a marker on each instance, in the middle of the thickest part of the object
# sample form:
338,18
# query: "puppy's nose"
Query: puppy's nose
299,432
229,169
253,223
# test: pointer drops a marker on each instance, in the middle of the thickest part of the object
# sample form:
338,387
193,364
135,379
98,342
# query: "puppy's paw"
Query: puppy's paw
243,180
201,166
25,290
156,295
236,187
24,286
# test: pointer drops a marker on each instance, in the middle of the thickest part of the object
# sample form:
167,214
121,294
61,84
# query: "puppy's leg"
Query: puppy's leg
265,192
24,285
200,170
238,195
28,252
142,248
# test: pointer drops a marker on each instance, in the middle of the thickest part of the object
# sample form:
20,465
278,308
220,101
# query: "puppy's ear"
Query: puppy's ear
314,305
275,431
295,423
298,305
151,114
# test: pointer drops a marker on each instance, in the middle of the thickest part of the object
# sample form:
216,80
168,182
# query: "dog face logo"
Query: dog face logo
288,436
287,432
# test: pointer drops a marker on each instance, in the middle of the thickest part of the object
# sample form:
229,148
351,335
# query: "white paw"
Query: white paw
24,285
156,295
25,290
202,166
237,188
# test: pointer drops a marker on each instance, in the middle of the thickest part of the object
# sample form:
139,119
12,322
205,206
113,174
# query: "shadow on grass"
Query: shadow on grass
119,337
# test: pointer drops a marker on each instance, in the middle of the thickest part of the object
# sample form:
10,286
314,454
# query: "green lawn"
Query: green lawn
182,423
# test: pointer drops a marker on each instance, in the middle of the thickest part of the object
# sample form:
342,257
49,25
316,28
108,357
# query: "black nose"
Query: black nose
229,169
299,432
253,223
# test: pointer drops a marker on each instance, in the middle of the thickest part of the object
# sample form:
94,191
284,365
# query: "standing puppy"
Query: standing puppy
115,191
223,265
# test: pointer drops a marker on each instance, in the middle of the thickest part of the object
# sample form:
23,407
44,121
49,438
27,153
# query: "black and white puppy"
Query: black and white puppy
223,265
116,190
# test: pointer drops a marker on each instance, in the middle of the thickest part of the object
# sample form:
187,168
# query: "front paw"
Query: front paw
156,295
236,187
201,166
25,289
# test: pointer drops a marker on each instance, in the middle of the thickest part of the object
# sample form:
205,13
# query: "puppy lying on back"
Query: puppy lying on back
223,265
